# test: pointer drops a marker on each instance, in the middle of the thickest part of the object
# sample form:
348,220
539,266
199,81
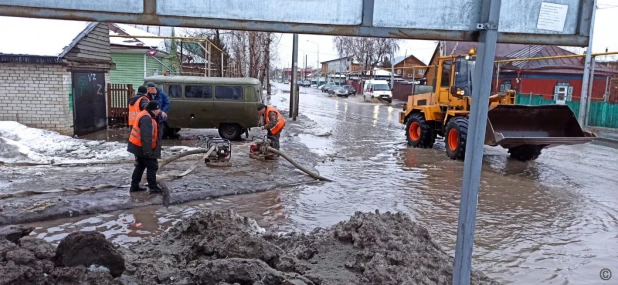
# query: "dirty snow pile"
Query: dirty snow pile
224,248
19,143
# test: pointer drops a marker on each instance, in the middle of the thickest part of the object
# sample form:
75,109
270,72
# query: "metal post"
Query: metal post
593,63
606,94
392,68
582,100
483,73
222,75
294,75
209,58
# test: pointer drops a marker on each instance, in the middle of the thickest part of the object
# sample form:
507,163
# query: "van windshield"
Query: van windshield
381,87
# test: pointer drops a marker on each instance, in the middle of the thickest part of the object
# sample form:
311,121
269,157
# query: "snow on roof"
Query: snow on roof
137,41
42,37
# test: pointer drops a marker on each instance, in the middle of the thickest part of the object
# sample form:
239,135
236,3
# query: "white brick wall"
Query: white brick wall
35,95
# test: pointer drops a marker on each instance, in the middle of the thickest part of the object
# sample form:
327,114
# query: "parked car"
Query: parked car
328,86
350,89
229,104
340,91
377,89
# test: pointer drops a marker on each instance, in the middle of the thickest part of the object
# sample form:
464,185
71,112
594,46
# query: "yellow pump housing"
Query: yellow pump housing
524,130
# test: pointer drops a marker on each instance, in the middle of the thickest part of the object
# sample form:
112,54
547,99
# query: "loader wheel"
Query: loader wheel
526,152
419,132
455,138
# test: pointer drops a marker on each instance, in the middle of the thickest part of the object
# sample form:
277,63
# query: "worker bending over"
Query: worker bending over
145,144
273,123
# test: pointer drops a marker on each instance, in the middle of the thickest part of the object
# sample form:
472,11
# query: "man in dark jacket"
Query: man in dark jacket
158,94
145,144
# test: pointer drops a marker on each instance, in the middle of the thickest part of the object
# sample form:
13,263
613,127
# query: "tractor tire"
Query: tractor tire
455,138
526,152
419,132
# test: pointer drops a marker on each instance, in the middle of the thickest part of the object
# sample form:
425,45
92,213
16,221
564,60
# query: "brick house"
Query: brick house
53,74
409,68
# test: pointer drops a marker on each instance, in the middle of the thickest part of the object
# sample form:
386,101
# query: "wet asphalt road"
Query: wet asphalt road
550,221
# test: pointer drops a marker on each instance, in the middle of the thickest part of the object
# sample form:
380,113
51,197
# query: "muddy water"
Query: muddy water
551,221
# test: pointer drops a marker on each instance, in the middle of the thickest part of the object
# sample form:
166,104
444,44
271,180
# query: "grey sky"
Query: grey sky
604,37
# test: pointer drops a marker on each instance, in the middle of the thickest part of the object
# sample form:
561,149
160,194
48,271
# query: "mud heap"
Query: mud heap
224,248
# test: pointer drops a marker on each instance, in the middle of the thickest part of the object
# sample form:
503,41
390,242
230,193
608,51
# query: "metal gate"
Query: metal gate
89,112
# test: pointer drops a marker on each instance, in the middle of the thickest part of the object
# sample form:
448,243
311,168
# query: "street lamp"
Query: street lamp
318,62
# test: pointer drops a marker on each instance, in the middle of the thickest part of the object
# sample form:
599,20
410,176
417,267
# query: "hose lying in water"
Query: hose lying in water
162,178
303,169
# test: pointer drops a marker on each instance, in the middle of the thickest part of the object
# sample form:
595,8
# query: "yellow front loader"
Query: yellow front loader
523,130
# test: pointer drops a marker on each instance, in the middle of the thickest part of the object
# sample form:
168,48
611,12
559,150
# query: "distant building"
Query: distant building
53,74
300,73
340,65
409,68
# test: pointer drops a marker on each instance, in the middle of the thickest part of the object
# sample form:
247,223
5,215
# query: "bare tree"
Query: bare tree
368,51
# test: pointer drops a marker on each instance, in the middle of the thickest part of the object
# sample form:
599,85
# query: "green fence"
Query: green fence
602,114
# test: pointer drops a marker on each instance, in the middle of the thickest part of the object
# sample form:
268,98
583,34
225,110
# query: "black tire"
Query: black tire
455,137
526,152
419,132
230,131
167,131
177,130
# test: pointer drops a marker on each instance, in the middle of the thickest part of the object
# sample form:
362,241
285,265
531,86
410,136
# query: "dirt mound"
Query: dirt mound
223,247
29,260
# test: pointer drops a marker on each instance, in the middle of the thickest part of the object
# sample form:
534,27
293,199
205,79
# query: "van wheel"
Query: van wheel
167,131
230,131
455,138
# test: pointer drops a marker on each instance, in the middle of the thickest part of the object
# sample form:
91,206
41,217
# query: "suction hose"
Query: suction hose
303,169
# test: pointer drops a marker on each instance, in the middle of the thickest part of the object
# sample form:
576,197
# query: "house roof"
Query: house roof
399,59
345,57
41,37
557,65
127,30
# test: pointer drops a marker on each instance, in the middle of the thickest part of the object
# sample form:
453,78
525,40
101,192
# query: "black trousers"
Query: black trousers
141,164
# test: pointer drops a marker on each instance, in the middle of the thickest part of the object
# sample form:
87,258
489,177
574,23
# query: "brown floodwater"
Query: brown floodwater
550,221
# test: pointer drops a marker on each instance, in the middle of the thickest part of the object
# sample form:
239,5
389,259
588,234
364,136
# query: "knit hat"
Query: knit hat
142,89
153,105
151,84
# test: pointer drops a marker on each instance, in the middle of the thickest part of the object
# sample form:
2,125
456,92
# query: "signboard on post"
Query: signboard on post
561,22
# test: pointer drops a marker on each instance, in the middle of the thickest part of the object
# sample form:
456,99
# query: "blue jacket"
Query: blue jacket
164,100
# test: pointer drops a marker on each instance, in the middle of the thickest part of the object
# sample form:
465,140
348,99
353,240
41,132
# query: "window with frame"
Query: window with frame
410,75
229,92
447,67
198,91
175,91
421,72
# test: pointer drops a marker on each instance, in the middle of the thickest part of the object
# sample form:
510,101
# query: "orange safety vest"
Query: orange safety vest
136,136
280,120
134,110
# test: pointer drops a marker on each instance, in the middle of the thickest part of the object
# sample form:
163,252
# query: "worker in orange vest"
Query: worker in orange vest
273,123
138,103
145,144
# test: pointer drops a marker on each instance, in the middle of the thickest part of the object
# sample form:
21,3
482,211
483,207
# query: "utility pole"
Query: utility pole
483,73
294,76
585,82
587,119
392,67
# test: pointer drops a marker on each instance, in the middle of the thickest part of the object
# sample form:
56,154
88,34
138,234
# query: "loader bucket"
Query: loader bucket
548,125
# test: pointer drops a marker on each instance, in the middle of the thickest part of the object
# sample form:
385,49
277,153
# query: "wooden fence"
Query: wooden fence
118,96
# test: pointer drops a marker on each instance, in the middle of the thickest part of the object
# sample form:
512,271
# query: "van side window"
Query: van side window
229,92
198,91
175,91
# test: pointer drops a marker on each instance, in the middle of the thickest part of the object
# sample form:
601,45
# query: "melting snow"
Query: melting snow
19,143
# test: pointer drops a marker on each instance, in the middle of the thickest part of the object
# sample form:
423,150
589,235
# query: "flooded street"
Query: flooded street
550,221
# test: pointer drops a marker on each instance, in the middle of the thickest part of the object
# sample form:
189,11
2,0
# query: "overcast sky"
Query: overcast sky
605,36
